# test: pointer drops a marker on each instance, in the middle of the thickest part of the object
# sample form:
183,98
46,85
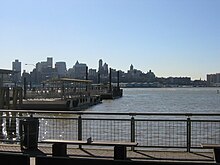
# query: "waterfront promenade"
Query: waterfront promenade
142,155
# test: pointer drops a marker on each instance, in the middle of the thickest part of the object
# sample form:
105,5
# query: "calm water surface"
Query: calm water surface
148,133
193,100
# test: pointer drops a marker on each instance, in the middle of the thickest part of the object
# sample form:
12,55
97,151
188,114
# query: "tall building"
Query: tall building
93,75
49,62
103,69
44,71
131,67
78,71
16,66
100,66
44,64
61,68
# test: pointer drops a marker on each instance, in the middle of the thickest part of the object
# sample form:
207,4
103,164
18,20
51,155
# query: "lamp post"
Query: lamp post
31,64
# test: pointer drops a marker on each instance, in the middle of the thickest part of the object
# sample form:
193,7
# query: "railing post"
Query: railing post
132,131
80,129
188,134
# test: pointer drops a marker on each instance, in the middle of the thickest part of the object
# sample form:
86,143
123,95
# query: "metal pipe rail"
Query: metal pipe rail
112,113
184,131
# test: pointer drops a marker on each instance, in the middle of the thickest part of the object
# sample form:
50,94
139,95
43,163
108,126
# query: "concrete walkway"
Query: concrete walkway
176,156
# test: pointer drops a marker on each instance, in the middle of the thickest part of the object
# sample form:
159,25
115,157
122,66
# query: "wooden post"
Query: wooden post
110,80
25,87
1,97
20,96
86,78
99,80
118,81
1,106
15,97
7,98
1,125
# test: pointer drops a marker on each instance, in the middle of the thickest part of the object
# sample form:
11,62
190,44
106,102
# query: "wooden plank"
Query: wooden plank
210,145
114,143
83,142
64,141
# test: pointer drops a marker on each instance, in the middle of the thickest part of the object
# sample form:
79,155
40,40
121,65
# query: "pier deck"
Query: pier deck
171,156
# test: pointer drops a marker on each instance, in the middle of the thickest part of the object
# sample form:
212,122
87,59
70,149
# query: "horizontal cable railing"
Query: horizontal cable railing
149,130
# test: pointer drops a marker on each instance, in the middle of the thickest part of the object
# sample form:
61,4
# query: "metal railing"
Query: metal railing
149,130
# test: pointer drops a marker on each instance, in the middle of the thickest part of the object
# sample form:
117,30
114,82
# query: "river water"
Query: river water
168,100
147,132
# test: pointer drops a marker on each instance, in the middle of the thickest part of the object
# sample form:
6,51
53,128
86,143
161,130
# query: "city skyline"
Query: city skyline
53,65
169,37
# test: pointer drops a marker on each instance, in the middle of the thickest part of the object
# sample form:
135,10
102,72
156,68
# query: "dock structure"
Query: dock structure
5,74
61,94
105,93
58,94
108,91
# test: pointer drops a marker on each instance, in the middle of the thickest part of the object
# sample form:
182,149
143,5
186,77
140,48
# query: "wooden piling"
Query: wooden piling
110,80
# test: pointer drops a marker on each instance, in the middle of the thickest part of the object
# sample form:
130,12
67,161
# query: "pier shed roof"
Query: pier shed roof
70,80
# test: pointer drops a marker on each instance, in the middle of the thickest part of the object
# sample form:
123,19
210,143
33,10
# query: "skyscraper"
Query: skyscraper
61,68
49,62
16,66
78,71
100,66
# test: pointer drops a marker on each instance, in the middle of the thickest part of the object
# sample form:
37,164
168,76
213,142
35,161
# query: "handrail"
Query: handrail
114,113
166,130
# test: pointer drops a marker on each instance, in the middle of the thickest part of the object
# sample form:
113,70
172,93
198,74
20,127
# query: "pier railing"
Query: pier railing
183,131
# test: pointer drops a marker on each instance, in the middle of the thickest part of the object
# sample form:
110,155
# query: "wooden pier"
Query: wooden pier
61,94
56,94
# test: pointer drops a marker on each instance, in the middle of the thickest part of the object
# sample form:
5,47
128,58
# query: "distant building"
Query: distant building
178,80
150,76
100,66
49,62
78,71
61,68
26,76
16,66
103,69
134,75
44,71
40,66
93,75
131,67
213,79
48,73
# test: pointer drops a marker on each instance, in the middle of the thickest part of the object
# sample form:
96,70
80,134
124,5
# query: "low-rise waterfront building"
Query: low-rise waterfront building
5,77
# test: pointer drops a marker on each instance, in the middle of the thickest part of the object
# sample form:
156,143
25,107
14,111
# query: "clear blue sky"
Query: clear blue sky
170,37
